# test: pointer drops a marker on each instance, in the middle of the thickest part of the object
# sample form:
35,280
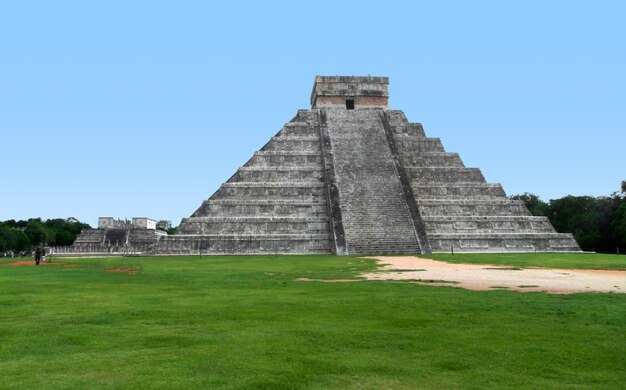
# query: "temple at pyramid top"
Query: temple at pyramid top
350,92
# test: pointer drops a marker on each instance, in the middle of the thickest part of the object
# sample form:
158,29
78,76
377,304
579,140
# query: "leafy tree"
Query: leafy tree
597,223
619,227
6,238
64,231
12,239
22,242
577,215
37,232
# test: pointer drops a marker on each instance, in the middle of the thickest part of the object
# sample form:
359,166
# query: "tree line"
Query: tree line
19,236
597,223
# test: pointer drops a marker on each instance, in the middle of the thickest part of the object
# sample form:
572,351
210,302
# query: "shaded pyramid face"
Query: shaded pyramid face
351,176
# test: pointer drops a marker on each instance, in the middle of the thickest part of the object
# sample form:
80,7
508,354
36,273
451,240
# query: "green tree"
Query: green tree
6,238
12,239
20,235
63,232
21,241
618,226
37,232
587,218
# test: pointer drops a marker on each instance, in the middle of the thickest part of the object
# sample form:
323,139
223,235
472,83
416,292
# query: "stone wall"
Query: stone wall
115,241
364,91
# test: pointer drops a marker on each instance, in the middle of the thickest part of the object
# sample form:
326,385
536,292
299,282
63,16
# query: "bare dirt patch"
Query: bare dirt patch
482,277
129,271
29,263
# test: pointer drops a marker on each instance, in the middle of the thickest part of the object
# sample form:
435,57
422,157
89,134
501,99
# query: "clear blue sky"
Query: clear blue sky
133,108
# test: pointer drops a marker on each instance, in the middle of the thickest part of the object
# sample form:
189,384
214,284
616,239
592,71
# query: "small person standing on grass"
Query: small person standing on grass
38,253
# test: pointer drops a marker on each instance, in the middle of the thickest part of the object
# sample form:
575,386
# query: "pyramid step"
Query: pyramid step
299,128
285,158
265,174
245,243
303,191
254,226
504,242
296,143
490,224
415,145
459,198
261,208
431,159
444,175
457,189
258,219
407,130
304,167
397,117
288,153
436,207
275,184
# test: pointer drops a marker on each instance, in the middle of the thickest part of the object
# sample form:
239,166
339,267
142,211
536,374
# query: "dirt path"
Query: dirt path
25,263
493,277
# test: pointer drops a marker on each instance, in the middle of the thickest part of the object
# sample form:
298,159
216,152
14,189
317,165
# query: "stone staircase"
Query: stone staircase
459,209
375,215
90,241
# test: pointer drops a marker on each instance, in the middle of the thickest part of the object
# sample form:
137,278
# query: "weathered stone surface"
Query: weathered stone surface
376,217
460,210
339,178
276,203
362,91
350,176
116,240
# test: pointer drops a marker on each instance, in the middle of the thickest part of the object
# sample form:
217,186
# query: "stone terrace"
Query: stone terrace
275,203
351,176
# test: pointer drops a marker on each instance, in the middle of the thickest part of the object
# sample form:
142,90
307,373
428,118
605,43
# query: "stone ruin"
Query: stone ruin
351,176
136,236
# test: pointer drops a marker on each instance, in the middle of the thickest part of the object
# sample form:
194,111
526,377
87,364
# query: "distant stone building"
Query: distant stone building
145,223
138,235
112,223
351,176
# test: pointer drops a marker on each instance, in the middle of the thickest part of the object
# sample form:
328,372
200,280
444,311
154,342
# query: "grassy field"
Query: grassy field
245,323
548,260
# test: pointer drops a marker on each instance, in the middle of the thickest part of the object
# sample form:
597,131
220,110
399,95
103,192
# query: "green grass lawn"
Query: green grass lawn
245,323
548,260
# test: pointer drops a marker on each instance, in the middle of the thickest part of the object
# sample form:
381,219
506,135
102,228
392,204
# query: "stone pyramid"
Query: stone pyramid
351,176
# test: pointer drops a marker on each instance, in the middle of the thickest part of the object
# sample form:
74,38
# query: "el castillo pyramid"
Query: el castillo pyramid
352,176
